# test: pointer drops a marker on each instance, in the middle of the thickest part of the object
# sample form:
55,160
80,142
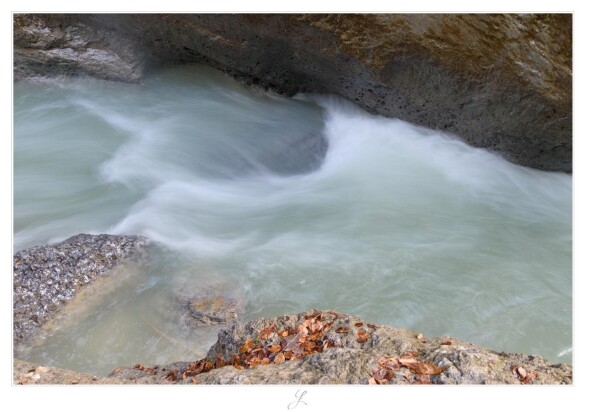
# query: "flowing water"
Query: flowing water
284,204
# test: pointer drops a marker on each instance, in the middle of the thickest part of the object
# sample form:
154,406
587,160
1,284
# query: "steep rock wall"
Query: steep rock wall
501,82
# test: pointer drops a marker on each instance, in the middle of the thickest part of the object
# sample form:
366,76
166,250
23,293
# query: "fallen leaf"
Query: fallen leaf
372,381
528,380
328,343
422,379
447,343
247,346
522,372
358,324
383,375
390,363
342,329
363,336
372,326
266,332
172,375
407,361
275,348
280,358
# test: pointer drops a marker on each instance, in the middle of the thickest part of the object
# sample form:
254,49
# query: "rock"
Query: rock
27,373
46,278
72,49
501,82
348,360
207,311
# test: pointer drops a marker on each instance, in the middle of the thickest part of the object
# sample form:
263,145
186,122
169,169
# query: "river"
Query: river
284,204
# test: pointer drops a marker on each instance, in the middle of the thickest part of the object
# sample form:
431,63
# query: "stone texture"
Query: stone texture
502,81
46,278
352,362
27,373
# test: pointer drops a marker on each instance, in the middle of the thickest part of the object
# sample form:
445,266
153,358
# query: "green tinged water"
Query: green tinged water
284,205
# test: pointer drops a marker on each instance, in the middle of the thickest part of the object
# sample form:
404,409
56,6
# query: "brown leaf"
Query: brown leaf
422,380
247,346
528,380
195,381
358,324
447,343
363,336
372,381
280,358
172,375
522,372
275,348
328,343
370,325
383,375
342,329
390,363
266,332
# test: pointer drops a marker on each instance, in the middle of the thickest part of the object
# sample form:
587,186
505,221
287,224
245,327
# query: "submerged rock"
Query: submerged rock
46,278
498,81
206,311
342,349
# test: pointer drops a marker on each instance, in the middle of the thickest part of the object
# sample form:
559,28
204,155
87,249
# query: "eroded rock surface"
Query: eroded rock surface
46,278
501,81
347,350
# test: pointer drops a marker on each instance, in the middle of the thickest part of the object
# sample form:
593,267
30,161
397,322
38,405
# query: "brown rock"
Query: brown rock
498,81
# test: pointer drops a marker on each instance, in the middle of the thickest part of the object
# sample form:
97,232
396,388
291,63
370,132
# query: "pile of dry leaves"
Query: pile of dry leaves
276,346
410,370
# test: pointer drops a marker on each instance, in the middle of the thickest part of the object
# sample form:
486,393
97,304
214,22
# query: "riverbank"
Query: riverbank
311,347
324,347
47,278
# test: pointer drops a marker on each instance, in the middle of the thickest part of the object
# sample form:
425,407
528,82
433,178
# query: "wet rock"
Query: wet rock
501,82
211,311
46,278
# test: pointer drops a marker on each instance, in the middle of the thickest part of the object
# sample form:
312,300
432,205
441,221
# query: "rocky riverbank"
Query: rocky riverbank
501,82
325,347
312,347
46,278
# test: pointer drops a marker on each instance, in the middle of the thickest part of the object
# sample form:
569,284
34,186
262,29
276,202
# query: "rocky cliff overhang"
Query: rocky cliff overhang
501,82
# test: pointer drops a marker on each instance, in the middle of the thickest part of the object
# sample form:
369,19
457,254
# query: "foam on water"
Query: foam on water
293,204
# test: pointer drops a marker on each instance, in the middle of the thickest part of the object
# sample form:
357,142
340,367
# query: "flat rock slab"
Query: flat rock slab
346,350
27,373
46,278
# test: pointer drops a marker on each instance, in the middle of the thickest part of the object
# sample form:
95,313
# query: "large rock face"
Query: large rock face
501,82
336,348
324,347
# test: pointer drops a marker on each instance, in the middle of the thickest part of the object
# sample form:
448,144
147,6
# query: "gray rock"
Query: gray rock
501,82
46,278
352,361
